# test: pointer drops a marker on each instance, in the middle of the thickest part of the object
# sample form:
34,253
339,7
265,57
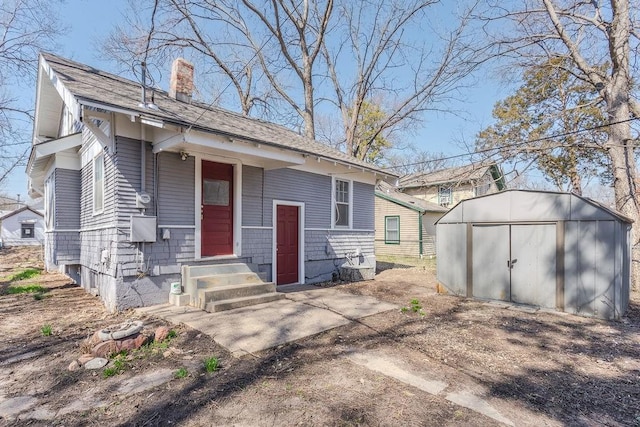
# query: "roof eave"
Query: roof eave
183,124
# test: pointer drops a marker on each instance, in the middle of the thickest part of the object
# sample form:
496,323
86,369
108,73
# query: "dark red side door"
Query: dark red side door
287,245
217,209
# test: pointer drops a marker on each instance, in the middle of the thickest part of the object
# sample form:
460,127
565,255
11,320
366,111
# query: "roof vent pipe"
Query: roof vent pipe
143,102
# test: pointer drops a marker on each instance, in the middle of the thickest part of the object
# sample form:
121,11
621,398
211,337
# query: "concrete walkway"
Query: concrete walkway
306,310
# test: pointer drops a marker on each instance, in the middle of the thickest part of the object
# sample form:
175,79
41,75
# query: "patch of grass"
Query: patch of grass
109,372
46,330
211,364
155,346
25,274
391,261
27,289
119,365
181,373
414,307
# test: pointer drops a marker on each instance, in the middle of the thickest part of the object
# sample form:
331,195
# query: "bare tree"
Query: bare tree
413,75
318,56
586,35
26,27
415,161
273,43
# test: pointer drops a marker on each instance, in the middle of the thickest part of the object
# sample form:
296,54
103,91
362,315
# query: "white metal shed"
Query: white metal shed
546,249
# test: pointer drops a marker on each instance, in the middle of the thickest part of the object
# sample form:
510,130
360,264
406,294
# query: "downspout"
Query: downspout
143,177
155,184
143,159
420,233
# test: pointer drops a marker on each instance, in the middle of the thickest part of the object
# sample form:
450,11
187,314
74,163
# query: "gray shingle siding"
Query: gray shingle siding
176,190
61,248
327,251
363,206
297,186
252,200
337,244
92,245
62,244
128,178
257,244
108,215
67,199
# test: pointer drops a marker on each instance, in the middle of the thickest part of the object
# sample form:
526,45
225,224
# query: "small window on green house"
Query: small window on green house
392,229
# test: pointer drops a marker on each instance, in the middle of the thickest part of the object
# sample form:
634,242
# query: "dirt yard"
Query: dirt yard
528,368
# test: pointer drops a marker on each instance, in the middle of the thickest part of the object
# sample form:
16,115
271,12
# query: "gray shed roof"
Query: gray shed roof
458,174
388,192
529,206
111,92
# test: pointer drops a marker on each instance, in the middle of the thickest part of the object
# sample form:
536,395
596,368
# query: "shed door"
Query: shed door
533,258
515,263
490,253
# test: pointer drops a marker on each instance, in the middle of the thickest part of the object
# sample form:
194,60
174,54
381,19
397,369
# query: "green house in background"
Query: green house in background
405,225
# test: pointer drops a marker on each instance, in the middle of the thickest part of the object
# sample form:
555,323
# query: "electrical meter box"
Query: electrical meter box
143,229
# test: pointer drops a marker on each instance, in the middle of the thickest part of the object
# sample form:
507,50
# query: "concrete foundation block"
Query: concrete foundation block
179,300
357,274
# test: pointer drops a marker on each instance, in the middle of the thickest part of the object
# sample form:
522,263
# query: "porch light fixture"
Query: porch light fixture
152,122
184,155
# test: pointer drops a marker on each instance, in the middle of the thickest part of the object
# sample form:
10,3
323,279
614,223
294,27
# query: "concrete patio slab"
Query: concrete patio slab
348,305
306,311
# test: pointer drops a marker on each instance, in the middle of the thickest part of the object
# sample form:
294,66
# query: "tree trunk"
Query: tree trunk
624,184
308,112
619,144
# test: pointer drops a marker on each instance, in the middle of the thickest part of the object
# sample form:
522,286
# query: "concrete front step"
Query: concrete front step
216,269
230,304
227,279
229,292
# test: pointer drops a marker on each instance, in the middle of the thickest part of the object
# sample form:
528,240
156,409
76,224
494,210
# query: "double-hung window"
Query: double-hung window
342,202
98,184
392,229
444,196
27,231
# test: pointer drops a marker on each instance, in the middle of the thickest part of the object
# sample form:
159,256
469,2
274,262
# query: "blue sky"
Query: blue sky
89,21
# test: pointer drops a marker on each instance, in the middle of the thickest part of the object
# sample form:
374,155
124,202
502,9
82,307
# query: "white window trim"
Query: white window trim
334,204
387,240
93,183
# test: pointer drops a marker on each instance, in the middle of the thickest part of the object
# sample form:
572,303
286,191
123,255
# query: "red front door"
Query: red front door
217,209
287,245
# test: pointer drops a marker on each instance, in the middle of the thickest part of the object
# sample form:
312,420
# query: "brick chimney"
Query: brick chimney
181,85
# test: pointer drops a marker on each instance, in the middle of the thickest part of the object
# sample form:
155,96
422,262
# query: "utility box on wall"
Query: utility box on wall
143,229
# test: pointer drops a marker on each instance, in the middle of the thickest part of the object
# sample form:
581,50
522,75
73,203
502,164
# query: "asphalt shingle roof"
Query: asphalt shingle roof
386,190
90,84
458,174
